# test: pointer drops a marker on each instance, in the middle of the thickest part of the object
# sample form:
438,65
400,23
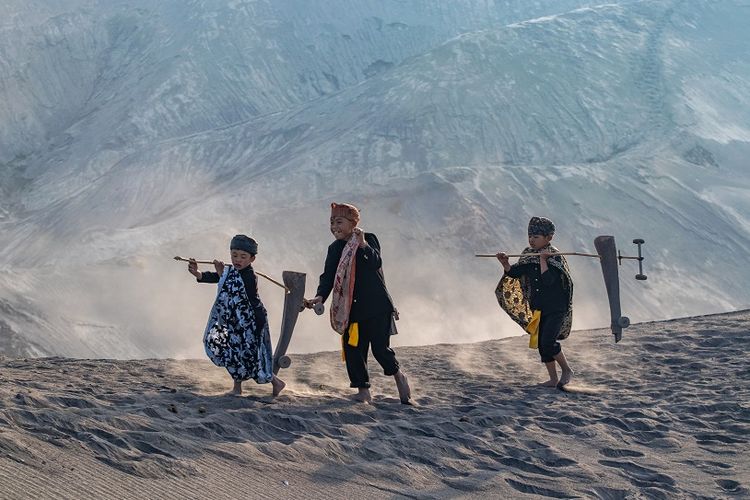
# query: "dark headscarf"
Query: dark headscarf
244,243
541,225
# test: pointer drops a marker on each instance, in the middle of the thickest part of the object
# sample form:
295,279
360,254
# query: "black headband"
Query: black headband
244,243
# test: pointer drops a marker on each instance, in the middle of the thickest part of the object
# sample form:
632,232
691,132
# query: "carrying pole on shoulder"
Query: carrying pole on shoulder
183,259
609,258
580,254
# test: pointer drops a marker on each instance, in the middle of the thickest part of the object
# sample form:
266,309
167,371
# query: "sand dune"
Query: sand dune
663,414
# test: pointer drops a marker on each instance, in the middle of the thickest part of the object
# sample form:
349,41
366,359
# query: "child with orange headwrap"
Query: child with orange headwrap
361,307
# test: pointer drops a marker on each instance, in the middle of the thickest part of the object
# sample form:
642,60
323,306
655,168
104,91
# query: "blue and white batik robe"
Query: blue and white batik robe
232,339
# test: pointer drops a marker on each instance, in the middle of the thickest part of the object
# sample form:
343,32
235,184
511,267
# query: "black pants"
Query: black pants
373,332
549,328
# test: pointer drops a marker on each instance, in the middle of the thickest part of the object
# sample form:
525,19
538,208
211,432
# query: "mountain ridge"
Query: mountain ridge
601,117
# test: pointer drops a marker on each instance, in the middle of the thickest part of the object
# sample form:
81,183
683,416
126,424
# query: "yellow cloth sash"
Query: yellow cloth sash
353,339
533,329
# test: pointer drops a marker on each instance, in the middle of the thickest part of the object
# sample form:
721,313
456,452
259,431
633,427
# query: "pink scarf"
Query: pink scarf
343,287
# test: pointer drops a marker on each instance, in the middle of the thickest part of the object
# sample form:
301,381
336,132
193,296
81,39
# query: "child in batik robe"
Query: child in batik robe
237,335
361,308
537,293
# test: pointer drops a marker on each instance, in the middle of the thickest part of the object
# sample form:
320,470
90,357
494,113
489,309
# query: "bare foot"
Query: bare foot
363,396
278,385
236,390
549,383
565,378
402,384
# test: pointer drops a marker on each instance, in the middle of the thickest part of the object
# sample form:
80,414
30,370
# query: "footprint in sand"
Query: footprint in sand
536,490
641,476
619,453
730,486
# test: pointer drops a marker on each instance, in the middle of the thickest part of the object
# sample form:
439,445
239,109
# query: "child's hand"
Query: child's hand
545,254
360,236
219,266
193,268
503,258
310,303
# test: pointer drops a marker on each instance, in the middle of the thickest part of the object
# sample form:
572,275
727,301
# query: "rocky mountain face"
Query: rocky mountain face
130,133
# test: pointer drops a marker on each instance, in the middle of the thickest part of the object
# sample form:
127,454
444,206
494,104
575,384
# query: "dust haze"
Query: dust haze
148,305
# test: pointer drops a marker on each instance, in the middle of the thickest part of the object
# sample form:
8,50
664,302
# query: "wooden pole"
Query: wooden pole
273,281
183,259
553,254
197,261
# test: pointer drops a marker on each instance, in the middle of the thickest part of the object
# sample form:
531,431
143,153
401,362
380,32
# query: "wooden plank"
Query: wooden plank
605,247
295,283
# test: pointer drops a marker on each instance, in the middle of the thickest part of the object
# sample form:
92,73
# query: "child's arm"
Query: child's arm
548,278
202,277
193,269
325,284
209,277
543,256
371,252
515,270
504,261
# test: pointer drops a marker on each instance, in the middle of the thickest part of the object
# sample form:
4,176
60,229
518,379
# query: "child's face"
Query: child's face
241,259
341,228
538,241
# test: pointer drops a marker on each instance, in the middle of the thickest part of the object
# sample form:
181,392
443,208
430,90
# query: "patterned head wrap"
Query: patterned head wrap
541,225
244,243
346,211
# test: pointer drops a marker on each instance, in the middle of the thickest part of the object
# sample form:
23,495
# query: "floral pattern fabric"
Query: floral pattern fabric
232,339
343,287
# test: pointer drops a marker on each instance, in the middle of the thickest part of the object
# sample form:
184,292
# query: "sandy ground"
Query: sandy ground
663,414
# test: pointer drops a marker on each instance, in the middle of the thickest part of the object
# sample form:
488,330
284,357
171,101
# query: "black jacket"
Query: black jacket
548,293
370,296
